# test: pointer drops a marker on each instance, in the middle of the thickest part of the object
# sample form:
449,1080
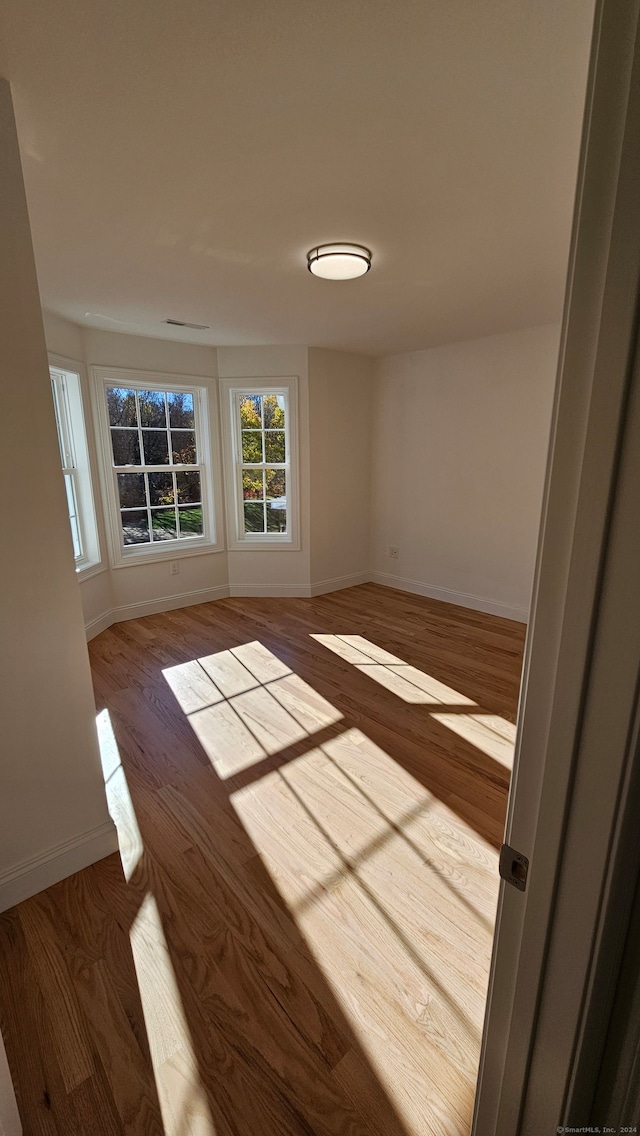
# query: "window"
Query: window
261,463
157,462
74,457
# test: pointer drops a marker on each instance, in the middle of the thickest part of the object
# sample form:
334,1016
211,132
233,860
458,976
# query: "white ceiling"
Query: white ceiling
181,156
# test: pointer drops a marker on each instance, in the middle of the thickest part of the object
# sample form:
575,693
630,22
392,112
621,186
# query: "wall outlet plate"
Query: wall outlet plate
394,551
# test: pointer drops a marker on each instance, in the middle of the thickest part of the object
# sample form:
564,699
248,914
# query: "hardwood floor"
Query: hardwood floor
309,796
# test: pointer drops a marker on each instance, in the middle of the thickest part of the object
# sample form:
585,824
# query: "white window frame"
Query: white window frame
121,555
67,382
230,390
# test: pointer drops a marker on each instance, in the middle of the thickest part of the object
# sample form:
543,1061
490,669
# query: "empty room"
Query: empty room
283,290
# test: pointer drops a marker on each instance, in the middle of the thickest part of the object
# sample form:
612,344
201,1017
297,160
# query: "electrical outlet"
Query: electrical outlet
174,568
394,551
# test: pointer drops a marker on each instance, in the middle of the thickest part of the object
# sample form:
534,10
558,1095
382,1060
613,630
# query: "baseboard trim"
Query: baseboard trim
40,872
300,591
188,599
264,591
337,583
461,599
100,623
153,607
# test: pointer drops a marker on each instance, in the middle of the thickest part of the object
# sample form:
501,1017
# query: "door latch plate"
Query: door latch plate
514,867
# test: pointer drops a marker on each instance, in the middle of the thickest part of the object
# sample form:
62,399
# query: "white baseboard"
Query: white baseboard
153,607
293,591
300,591
100,623
40,872
338,583
462,599
205,595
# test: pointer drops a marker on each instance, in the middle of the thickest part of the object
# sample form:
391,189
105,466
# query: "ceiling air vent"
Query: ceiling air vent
193,326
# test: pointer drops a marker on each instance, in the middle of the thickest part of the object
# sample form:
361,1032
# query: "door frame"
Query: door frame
541,1034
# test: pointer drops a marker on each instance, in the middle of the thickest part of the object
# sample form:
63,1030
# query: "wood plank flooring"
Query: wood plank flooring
309,796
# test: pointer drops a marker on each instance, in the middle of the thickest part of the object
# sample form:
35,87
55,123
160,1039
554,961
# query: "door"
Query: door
547,1005
9,1120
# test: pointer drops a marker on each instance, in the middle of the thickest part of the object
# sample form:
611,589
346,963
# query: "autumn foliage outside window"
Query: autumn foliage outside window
264,457
155,457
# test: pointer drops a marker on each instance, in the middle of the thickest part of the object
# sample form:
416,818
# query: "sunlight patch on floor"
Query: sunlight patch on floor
490,733
493,735
183,1100
377,872
119,800
406,681
245,705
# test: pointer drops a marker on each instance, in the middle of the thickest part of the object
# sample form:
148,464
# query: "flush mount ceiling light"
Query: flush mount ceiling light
339,261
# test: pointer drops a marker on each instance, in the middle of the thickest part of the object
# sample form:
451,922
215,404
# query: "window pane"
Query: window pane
276,483
71,497
75,536
152,409
273,409
276,517
183,443
131,490
161,488
163,522
126,447
252,485
135,527
122,406
188,487
191,521
181,410
251,446
254,517
156,447
73,514
58,410
274,448
250,417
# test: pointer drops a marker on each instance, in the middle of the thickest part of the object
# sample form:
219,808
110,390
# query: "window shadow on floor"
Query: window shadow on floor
223,988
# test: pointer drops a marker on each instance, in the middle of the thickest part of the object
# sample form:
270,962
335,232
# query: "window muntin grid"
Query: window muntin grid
156,458
68,462
263,462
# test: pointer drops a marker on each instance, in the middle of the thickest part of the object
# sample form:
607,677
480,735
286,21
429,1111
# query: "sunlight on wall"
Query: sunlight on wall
183,1100
119,800
490,733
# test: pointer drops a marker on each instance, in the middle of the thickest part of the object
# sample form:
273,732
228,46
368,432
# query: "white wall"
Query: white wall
141,588
460,441
264,572
53,813
457,438
340,419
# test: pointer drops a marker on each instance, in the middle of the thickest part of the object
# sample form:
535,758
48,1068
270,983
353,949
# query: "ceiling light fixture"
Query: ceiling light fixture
339,261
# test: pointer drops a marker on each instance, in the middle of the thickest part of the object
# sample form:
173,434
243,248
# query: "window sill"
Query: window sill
257,545
86,571
151,556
